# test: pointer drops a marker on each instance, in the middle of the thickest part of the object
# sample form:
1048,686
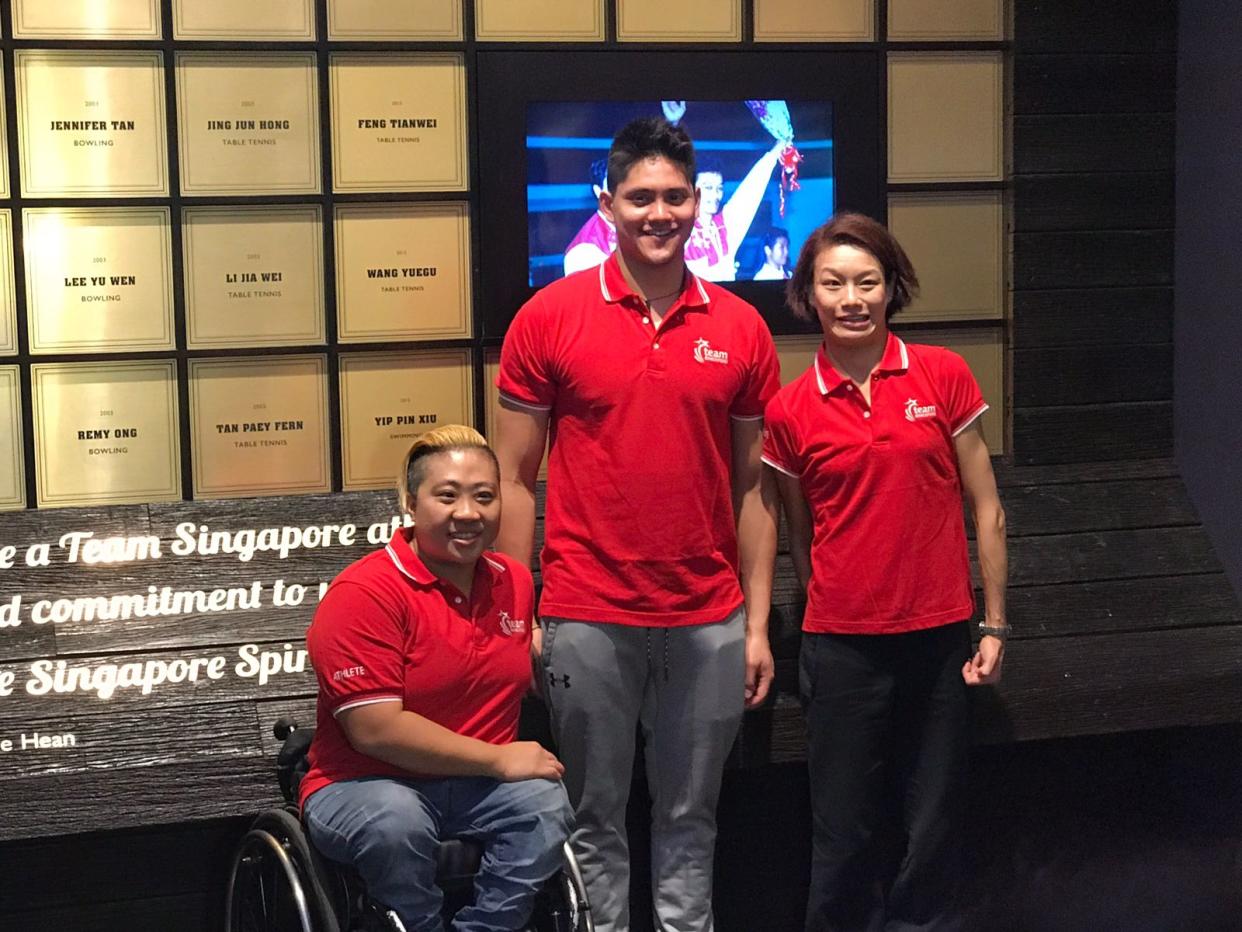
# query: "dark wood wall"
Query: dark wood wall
1093,132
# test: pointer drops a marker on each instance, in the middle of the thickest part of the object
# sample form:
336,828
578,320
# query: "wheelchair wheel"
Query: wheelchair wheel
275,883
563,905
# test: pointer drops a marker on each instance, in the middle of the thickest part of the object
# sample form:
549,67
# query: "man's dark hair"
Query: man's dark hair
645,138
709,165
773,234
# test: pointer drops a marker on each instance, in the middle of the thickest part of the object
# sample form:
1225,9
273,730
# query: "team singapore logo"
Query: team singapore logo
511,626
703,352
914,410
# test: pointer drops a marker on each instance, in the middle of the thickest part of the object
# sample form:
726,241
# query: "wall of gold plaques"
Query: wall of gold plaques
236,237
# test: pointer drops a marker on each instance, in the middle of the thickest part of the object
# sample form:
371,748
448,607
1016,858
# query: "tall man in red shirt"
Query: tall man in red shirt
651,385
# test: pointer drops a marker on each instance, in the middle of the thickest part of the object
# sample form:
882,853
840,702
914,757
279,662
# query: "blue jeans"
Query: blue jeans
389,830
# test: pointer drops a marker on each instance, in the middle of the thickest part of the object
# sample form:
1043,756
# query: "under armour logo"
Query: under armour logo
564,679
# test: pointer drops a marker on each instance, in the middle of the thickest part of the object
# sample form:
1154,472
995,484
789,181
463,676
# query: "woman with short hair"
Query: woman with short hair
874,448
422,652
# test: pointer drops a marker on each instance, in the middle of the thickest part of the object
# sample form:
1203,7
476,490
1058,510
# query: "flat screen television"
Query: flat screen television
783,139
764,168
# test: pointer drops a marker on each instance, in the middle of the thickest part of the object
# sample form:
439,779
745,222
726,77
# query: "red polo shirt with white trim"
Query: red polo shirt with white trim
389,630
888,548
639,527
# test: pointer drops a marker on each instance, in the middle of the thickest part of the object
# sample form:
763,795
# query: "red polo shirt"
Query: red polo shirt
389,629
639,527
888,549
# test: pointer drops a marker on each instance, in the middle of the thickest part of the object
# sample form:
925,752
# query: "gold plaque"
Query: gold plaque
388,399
799,21
91,124
687,21
4,142
244,20
248,124
253,276
86,19
398,122
106,433
946,116
98,279
260,426
539,20
8,300
394,19
402,272
12,454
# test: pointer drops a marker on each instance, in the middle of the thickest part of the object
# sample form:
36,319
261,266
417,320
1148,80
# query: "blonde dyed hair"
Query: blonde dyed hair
439,440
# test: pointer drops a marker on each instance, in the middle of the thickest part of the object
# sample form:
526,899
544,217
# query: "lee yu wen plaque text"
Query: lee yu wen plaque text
98,279
402,272
260,426
398,122
91,124
248,124
105,433
253,276
388,399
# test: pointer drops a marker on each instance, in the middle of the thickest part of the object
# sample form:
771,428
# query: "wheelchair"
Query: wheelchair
278,882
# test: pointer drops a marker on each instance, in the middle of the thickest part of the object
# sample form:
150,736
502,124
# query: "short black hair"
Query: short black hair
649,137
773,234
709,166
861,232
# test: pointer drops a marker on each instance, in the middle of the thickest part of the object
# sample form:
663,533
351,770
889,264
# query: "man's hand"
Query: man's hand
759,670
984,668
526,760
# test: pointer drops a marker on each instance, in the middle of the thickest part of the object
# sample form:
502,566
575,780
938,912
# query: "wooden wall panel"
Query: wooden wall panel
966,282
829,21
942,20
539,20
1103,26
1092,317
1095,83
1091,433
687,21
1131,201
1093,374
1134,142
945,116
1092,259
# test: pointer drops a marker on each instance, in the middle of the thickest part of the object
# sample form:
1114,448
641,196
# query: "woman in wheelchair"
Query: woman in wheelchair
422,652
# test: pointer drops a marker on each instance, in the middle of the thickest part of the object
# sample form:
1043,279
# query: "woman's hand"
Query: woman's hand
526,760
984,668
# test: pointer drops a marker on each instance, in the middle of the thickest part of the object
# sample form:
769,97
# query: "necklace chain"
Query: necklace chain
660,297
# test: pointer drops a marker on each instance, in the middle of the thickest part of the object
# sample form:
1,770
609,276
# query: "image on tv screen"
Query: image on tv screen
765,170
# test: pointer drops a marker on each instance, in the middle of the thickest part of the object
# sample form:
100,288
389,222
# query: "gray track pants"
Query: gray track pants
685,685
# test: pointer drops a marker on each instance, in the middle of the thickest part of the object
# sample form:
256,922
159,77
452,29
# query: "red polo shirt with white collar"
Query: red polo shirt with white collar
389,630
888,548
639,526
